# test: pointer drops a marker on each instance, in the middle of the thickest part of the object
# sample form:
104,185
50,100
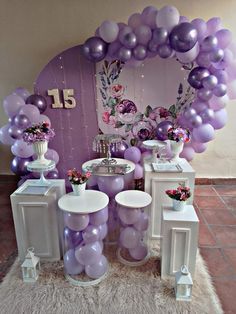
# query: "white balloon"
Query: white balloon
167,17
189,56
217,103
109,31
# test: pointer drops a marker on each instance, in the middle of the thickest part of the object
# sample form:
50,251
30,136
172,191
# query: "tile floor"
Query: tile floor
216,209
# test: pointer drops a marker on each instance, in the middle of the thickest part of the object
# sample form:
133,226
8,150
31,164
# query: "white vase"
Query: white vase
176,149
78,189
40,148
178,205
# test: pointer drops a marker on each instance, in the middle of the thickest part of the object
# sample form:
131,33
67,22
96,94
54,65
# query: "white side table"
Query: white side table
36,219
180,240
156,183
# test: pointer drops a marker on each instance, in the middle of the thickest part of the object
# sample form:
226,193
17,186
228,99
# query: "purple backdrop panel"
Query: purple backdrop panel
75,128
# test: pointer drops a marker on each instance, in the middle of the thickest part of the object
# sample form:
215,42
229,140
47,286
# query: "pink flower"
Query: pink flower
106,117
117,90
112,120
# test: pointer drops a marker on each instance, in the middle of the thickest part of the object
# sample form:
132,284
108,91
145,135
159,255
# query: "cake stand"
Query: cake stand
41,168
102,144
156,147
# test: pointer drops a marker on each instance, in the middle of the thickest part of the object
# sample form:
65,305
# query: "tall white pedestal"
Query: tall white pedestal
180,240
36,220
156,183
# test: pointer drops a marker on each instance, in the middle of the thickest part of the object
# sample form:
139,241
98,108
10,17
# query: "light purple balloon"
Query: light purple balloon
209,43
203,59
189,113
183,19
5,138
220,90
199,147
44,118
221,75
224,37
140,52
207,115
12,105
119,152
204,133
31,112
124,54
129,215
22,92
204,94
19,166
72,238
51,154
90,234
167,17
213,25
71,265
133,154
110,185
149,15
201,27
138,172
216,55
130,237
210,82
38,101
15,132
108,31
164,51
220,119
22,149
123,32
217,103
135,20
160,36
113,49
129,40
87,254
76,222
102,231
21,121
195,121
99,217
92,181
94,49
97,269
53,174
143,34
199,105
187,153
189,56
140,252
142,223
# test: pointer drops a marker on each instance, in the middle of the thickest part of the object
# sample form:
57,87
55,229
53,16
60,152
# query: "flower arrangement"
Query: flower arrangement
182,193
75,177
178,135
38,133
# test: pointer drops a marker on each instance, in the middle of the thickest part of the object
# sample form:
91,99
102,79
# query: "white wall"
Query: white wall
32,32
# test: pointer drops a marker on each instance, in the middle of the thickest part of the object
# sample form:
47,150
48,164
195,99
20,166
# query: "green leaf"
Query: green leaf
119,125
138,117
147,111
113,112
128,127
112,102
172,110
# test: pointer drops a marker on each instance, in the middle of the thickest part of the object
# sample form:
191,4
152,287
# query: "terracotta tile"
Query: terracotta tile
205,236
230,254
225,189
219,217
217,264
199,214
225,235
204,190
225,289
230,201
209,202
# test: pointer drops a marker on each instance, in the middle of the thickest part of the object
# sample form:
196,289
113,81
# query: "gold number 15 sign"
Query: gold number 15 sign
69,101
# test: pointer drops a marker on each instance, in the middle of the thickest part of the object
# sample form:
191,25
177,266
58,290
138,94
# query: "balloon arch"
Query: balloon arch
205,48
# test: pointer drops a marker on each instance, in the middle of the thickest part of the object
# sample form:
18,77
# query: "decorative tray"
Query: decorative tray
32,189
98,169
166,167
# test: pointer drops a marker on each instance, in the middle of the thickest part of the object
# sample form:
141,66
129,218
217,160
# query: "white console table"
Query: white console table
36,219
156,183
180,240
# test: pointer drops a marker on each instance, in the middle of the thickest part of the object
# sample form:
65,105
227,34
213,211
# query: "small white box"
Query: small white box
36,219
180,240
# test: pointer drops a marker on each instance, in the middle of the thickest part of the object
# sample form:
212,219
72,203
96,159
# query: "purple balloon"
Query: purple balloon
143,34
19,165
133,154
113,49
220,90
149,15
189,113
22,149
162,129
210,82
138,172
72,238
198,147
99,217
201,27
124,54
129,40
220,119
87,254
97,269
207,115
216,55
38,101
119,152
224,37
217,103
140,252
53,174
140,52
221,75
213,25
12,104
183,37
22,92
204,94
90,234
51,154
110,185
152,47
164,51
195,121
94,49
203,60
199,105
196,76
15,132
102,231
76,222
160,36
204,133
130,237
21,121
209,43
129,215
135,20
142,223
187,153
31,112
72,266
5,138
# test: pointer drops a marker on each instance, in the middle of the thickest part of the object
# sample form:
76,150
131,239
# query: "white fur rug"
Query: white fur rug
126,290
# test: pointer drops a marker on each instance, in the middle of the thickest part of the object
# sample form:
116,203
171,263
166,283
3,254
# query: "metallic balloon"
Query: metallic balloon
217,55
53,174
140,52
210,82
124,54
119,152
183,37
220,90
164,51
204,94
129,40
94,49
15,132
189,113
209,43
196,76
160,36
152,46
19,165
21,121
162,129
195,121
38,101
207,115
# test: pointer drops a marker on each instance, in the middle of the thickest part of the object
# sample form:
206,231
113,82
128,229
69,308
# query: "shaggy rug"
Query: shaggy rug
125,290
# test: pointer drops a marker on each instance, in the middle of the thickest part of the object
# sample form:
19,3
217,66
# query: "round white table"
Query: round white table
133,199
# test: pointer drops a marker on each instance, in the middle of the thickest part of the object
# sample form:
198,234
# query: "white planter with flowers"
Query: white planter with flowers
177,136
78,181
179,197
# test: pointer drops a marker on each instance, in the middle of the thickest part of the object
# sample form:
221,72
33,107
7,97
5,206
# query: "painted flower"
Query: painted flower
159,113
106,117
117,90
143,130
126,106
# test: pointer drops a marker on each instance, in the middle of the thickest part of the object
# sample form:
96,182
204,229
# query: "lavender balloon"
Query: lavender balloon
198,147
97,269
130,237
102,231
22,149
164,51
15,132
21,121
38,101
72,238
129,216
22,92
5,138
31,112
143,34
90,234
119,152
19,165
224,37
217,55
195,121
142,223
204,133
203,60
167,17
76,222
213,25
207,115
149,15
220,119
109,31
160,36
162,130
209,43
94,49
53,174
189,113
99,217
140,52
129,40
124,54
135,20
87,254
51,154
210,82
133,154
140,252
196,76
138,172
204,94
201,28
187,153
12,104
220,90
72,266
183,37
110,185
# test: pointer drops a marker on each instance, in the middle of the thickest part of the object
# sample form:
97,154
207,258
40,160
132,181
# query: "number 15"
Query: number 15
69,100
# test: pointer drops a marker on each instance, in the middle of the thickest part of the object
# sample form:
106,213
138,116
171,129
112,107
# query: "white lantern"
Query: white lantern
31,266
183,284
